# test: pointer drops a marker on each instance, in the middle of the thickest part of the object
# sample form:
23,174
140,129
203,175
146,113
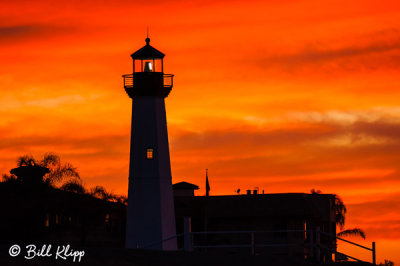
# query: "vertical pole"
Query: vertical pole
311,249
373,253
187,236
330,254
318,244
252,244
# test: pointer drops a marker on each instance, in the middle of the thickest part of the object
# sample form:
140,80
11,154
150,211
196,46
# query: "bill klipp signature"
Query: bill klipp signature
62,252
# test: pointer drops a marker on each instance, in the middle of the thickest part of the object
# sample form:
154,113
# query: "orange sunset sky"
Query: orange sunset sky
282,95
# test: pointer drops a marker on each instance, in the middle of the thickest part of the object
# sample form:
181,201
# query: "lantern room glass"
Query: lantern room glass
148,65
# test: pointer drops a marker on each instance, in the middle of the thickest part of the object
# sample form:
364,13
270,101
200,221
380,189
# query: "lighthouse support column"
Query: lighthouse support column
151,215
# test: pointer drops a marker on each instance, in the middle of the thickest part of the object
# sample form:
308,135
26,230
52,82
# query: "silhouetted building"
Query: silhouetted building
184,189
278,214
151,216
32,211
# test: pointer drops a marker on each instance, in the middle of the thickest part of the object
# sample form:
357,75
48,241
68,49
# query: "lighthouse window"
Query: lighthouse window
149,153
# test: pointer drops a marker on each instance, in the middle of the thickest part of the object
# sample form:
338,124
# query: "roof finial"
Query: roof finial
147,39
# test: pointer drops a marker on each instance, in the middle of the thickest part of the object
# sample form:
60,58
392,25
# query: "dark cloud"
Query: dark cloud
18,31
21,31
379,128
315,55
378,50
30,31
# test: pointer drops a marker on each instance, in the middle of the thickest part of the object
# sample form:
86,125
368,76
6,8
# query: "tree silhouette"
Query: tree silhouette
352,232
74,186
58,171
101,193
60,175
340,213
9,178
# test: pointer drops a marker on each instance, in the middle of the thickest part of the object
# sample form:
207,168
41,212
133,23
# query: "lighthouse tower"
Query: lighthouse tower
151,214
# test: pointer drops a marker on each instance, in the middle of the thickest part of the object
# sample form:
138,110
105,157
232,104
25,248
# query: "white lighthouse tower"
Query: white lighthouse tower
151,214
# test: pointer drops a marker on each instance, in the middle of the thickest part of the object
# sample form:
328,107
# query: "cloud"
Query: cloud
19,31
347,117
30,31
316,55
376,50
380,218
380,128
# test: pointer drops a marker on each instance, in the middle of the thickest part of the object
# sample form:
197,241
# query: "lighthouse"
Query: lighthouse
150,214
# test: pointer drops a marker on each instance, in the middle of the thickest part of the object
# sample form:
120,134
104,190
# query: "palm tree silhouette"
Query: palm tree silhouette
101,193
74,186
57,171
351,232
340,212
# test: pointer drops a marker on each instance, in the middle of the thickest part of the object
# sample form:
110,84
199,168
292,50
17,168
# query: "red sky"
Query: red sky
282,95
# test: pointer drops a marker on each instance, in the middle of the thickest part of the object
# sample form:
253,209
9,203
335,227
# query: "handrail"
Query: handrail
326,248
168,81
245,232
355,244
252,245
306,242
361,246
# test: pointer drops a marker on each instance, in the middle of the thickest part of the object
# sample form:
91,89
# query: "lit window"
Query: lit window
149,153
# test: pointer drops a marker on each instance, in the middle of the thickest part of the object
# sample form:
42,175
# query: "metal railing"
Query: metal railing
252,245
168,81
372,249
128,80
303,241
314,251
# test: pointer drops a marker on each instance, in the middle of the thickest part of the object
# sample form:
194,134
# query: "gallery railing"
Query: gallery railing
129,82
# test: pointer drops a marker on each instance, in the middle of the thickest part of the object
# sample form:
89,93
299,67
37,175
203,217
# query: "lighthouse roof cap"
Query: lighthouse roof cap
147,52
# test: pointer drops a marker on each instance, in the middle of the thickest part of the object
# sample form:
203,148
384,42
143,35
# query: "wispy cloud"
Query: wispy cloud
26,32
375,51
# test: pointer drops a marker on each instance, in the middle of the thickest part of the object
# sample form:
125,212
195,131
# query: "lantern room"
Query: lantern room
148,59
148,78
